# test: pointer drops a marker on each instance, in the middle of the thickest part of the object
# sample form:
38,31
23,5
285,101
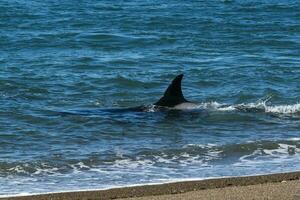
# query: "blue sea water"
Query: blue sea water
63,63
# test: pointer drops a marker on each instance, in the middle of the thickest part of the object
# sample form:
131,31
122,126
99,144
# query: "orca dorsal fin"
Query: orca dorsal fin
173,95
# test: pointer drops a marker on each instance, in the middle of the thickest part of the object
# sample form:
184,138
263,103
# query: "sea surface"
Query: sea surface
68,68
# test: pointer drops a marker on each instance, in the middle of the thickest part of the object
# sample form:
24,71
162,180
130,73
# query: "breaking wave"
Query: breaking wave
152,166
191,154
259,106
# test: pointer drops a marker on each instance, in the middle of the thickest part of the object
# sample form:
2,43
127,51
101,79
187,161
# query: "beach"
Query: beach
272,186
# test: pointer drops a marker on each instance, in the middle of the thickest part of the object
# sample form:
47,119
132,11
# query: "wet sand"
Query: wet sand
289,190
274,186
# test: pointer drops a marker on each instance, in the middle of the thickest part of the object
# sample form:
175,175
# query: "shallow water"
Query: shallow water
65,65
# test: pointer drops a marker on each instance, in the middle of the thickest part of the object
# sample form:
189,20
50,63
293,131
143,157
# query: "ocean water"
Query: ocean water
65,64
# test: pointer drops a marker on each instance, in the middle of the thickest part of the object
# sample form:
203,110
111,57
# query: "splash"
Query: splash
259,106
284,109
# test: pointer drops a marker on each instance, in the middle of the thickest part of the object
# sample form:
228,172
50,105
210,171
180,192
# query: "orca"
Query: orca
173,97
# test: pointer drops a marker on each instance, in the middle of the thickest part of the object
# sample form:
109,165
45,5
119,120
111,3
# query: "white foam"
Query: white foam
151,108
200,145
283,154
293,139
260,105
157,182
284,109
210,105
53,170
18,169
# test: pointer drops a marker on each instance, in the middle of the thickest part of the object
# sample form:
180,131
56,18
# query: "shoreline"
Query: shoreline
170,188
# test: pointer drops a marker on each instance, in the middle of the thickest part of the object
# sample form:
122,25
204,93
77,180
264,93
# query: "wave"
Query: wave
191,155
195,161
259,106
263,107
